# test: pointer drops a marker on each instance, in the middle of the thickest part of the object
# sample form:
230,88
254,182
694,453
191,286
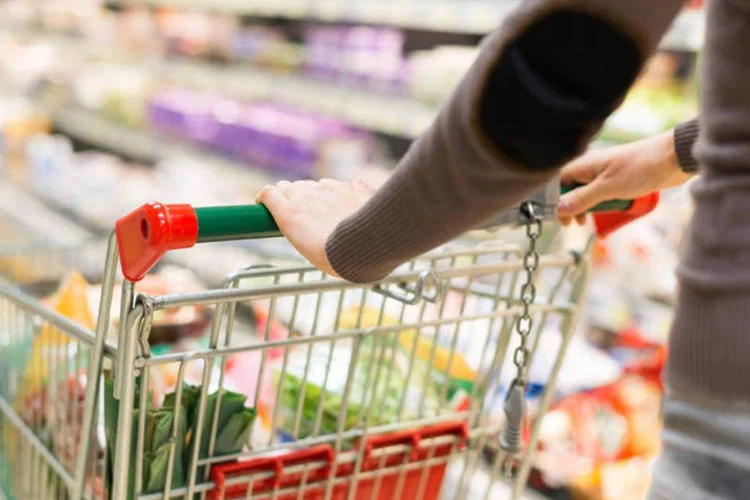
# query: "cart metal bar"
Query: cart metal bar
234,295
96,363
39,447
121,468
349,334
33,306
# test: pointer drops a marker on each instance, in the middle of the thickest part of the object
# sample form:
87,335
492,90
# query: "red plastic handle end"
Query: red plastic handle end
607,223
147,233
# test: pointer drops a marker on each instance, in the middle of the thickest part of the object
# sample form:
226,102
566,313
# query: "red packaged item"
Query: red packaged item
588,431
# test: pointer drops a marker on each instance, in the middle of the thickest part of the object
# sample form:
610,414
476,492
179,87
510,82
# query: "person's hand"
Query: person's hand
307,212
621,172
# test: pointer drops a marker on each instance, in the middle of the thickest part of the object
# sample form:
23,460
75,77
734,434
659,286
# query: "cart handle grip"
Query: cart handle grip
147,233
609,216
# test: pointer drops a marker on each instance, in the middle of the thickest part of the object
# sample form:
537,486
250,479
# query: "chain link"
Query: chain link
524,322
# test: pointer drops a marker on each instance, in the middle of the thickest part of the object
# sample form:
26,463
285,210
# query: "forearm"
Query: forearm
541,87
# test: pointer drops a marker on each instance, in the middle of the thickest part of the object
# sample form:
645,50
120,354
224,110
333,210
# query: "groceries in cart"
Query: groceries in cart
329,387
391,372
234,421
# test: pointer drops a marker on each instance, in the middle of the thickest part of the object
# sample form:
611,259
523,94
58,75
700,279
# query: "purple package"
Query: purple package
286,140
232,137
363,56
387,59
289,139
185,114
323,49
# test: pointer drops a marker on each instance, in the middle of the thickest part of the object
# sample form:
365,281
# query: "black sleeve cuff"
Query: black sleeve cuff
685,135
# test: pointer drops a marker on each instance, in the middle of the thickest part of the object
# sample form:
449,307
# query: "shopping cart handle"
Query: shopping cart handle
147,233
609,216
605,206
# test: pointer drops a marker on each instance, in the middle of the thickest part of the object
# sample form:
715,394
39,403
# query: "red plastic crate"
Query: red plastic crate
422,482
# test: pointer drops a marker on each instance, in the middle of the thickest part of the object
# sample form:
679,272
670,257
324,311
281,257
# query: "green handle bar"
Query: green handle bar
255,221
237,222
605,206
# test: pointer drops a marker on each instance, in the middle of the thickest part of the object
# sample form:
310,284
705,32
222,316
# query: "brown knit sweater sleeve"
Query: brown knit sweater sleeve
685,137
542,86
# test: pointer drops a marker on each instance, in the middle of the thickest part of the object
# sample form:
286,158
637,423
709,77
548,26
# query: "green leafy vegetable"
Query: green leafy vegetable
379,394
234,426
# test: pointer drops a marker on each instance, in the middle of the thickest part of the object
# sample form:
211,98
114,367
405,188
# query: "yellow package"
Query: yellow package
71,301
459,372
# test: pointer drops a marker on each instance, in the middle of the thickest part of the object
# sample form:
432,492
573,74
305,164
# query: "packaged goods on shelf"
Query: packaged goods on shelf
359,55
267,47
19,121
588,437
197,34
116,90
287,141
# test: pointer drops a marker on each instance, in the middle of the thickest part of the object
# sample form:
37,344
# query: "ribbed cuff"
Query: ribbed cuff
365,249
709,347
685,135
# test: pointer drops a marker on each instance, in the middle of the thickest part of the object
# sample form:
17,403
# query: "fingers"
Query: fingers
273,198
566,220
284,187
301,189
582,199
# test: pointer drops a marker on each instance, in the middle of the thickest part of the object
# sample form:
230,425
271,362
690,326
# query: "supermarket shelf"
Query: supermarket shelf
40,218
476,17
93,128
378,112
388,114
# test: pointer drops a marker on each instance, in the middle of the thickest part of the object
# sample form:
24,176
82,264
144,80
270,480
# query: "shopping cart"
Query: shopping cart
350,392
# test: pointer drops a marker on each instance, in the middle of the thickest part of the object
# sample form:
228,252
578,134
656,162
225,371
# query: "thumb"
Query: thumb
582,199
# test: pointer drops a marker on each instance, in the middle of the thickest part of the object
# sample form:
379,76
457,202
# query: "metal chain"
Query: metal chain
511,439
528,293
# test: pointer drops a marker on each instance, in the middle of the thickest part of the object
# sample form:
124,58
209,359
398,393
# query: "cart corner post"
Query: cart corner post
95,365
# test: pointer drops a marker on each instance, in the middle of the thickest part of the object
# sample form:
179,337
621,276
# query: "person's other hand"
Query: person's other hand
307,212
621,172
